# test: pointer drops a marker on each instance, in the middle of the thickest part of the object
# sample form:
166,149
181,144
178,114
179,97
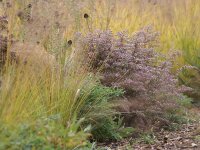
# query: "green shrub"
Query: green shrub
42,134
103,118
109,129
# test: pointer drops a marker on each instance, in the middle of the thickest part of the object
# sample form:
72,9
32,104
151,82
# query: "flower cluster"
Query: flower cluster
131,63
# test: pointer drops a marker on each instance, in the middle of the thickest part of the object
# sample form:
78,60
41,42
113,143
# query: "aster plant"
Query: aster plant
131,63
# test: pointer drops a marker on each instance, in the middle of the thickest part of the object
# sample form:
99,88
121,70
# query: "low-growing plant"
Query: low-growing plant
46,133
105,120
147,138
186,102
176,121
177,118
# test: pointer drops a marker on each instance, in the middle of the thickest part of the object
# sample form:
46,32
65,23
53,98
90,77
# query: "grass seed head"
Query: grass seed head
86,16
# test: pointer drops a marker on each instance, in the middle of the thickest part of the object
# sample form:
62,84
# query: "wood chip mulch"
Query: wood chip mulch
186,138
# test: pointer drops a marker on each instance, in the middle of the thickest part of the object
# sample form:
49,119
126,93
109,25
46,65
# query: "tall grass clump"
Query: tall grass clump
39,82
37,86
29,92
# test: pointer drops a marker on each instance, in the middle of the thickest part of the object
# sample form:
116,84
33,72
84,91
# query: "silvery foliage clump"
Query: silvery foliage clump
131,63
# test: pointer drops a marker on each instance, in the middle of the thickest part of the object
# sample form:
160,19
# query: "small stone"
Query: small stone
194,145
165,139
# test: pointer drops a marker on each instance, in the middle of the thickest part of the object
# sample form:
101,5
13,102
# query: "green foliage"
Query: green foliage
176,120
197,137
98,104
190,76
44,134
148,138
104,93
185,101
188,42
105,124
110,129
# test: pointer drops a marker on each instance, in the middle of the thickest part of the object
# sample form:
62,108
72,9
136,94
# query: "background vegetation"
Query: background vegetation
76,72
